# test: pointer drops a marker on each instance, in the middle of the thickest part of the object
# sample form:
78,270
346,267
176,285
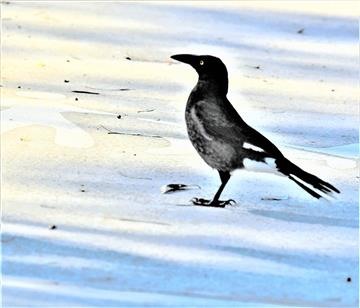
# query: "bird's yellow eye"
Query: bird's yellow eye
201,62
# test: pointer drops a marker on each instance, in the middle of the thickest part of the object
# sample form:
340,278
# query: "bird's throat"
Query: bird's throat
213,86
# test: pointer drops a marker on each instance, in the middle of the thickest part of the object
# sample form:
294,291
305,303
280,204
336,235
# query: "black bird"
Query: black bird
225,141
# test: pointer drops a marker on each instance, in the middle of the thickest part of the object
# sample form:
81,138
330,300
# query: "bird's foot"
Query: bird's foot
218,203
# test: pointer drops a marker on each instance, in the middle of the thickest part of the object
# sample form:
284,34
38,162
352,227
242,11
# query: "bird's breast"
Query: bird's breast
214,152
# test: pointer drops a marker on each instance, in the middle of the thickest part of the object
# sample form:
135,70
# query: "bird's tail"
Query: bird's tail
305,179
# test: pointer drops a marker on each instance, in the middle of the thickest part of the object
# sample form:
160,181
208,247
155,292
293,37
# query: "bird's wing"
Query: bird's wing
255,139
215,122
223,123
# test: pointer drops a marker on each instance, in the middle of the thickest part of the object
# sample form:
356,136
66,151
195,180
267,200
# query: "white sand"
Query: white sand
119,241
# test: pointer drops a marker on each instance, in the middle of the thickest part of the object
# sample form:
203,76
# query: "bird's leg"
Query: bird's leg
215,202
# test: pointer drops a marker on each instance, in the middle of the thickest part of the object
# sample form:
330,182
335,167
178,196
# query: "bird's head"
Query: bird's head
206,66
209,68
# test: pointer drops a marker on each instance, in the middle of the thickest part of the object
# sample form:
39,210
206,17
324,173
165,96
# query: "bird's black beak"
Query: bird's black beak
185,58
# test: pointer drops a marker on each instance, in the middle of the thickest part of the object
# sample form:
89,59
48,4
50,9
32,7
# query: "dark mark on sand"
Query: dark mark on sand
47,206
128,58
301,31
272,198
110,132
119,116
348,279
133,177
146,110
170,188
66,81
52,227
85,92
102,89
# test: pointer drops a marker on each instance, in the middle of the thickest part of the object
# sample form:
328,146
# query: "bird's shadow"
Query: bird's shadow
306,261
308,219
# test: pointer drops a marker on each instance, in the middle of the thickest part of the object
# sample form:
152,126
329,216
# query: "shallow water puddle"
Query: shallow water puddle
67,133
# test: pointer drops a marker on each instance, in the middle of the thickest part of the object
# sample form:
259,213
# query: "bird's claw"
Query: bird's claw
205,202
229,202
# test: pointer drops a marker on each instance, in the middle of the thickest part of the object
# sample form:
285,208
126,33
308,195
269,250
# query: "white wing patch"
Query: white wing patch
199,124
249,146
268,166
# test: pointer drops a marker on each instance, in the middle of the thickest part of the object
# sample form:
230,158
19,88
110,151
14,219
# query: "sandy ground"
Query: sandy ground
118,241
